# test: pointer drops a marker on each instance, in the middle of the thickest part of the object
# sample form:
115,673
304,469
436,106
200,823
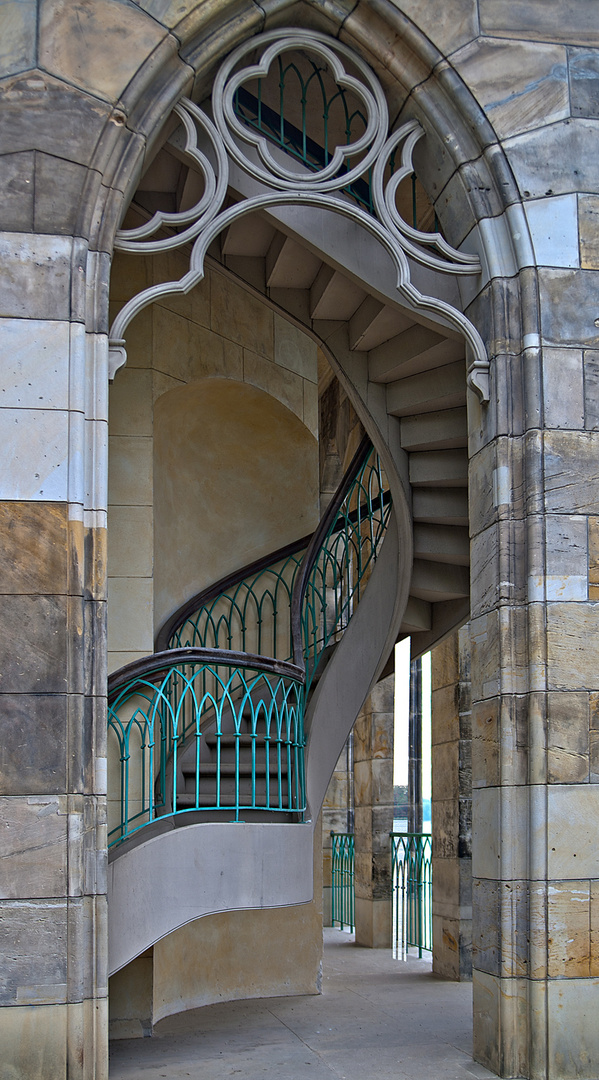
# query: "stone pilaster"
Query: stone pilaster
452,807
52,658
373,778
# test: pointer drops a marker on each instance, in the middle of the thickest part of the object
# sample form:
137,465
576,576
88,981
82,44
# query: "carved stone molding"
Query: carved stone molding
210,146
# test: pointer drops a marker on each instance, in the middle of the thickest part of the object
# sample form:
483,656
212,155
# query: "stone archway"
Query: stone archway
499,254
523,624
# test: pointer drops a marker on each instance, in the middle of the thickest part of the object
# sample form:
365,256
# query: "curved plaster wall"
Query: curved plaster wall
235,477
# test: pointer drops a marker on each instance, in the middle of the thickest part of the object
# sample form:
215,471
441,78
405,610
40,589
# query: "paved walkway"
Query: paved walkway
377,1019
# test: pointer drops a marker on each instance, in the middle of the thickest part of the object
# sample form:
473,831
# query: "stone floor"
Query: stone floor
377,1019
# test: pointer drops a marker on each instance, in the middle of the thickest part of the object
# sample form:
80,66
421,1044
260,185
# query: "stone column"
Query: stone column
452,807
534,498
373,780
53,417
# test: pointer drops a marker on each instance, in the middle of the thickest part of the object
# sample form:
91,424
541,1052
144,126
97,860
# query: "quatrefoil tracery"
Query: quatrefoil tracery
210,144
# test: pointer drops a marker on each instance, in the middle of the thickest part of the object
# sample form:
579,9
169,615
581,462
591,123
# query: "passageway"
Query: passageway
377,1019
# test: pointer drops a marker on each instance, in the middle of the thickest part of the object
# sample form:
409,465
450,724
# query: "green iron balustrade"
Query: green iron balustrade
411,862
344,558
210,723
254,111
342,880
205,730
252,615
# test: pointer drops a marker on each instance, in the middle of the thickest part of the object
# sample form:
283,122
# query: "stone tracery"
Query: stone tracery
210,145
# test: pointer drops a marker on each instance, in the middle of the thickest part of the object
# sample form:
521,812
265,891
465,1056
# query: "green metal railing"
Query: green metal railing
411,862
333,580
214,720
250,616
342,880
200,730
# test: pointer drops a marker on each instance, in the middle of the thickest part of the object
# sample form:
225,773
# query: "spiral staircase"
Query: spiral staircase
224,751
233,726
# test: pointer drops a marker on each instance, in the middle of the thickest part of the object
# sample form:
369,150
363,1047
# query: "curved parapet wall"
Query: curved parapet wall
183,874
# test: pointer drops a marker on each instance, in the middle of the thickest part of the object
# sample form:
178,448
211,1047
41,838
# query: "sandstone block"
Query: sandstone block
518,18
591,389
130,614
571,649
17,190
572,816
33,644
33,537
573,1041
98,47
563,411
567,738
520,84
33,846
31,97
448,27
36,281
537,158
588,225
571,482
241,318
568,913
130,471
583,67
565,295
33,934
283,385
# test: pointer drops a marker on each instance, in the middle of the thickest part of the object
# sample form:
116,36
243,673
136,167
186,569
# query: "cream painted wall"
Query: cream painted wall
218,331
235,476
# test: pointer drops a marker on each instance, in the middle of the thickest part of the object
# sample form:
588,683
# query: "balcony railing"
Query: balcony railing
198,730
411,862
342,880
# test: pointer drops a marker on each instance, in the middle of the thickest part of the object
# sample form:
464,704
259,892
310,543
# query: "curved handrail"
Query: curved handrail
150,668
339,556
329,517
221,587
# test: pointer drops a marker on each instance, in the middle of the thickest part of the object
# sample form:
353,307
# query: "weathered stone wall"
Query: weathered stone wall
85,86
451,722
373,785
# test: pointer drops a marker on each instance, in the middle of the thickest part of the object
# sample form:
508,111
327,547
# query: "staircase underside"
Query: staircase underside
184,873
